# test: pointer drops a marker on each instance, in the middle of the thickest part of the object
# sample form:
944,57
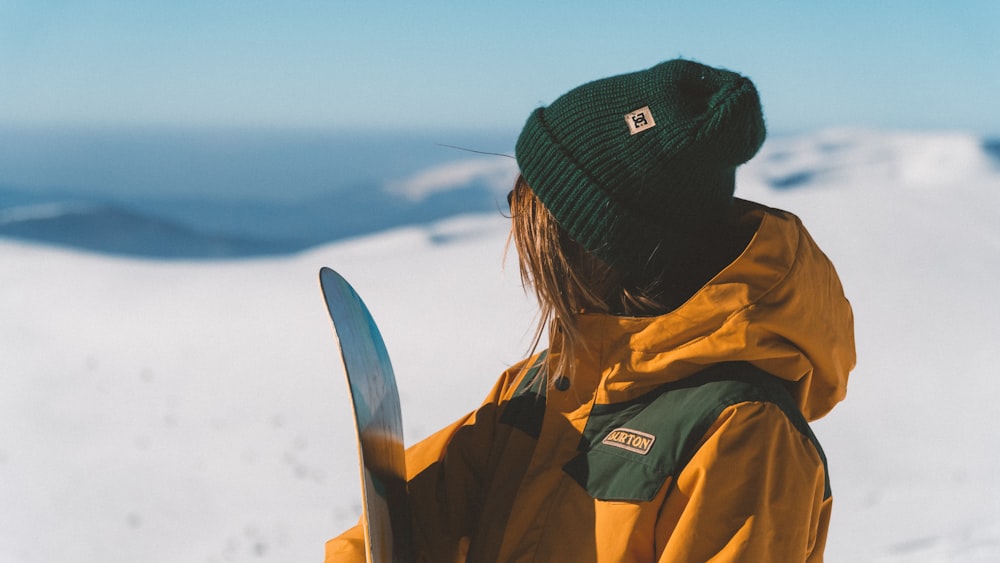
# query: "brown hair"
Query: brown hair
566,279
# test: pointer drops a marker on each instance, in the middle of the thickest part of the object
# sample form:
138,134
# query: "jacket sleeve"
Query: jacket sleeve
445,484
755,490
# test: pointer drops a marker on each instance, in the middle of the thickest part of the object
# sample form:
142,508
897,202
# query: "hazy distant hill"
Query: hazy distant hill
217,195
189,228
208,194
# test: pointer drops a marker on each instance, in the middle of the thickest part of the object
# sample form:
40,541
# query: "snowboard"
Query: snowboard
378,421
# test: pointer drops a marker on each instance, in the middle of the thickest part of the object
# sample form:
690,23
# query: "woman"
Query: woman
691,337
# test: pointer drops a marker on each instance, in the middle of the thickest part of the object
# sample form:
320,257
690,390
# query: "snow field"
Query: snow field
196,411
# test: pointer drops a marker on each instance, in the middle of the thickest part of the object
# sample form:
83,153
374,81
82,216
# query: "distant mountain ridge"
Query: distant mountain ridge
212,227
909,158
992,147
190,228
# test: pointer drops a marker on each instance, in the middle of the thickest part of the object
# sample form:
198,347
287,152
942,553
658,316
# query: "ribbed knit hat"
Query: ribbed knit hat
634,167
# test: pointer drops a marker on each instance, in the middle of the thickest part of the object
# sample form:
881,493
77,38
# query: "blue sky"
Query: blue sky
484,66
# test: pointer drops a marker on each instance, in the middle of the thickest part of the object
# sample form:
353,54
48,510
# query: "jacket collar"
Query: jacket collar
779,306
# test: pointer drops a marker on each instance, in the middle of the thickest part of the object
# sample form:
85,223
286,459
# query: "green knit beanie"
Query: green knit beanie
636,167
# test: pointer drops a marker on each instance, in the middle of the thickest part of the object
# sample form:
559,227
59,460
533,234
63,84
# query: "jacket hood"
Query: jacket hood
779,306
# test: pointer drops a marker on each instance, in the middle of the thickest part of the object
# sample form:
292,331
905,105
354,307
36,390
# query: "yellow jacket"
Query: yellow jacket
670,444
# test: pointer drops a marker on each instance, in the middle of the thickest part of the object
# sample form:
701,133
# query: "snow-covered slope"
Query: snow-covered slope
195,411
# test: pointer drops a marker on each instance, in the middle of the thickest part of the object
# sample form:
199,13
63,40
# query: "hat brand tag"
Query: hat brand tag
631,440
639,120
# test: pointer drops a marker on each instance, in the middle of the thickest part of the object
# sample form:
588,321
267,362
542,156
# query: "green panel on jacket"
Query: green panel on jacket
629,449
